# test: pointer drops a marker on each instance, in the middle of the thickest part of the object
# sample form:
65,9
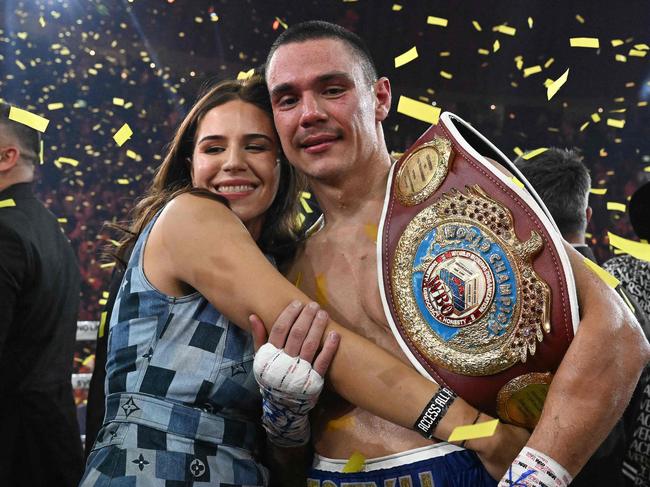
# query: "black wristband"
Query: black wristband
434,412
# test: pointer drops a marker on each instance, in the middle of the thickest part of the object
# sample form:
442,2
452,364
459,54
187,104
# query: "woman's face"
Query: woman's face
235,156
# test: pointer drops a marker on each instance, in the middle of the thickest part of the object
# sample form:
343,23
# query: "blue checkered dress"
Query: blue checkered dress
182,404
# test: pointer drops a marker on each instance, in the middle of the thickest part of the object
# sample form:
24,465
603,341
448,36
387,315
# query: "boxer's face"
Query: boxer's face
325,109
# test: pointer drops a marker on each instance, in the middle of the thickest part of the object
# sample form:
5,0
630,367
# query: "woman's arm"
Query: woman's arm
206,246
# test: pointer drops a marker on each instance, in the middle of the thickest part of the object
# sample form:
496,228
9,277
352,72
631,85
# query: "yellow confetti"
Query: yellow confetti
62,220
123,181
123,135
355,463
505,29
620,58
407,57
610,280
473,431
371,230
41,21
636,249
548,63
246,74
446,75
476,25
496,45
590,42
321,290
8,203
282,23
107,265
133,155
118,101
584,126
444,54
532,70
595,117
637,53
612,122
535,153
418,110
580,18
598,191
616,42
517,182
102,324
341,423
431,20
518,151
298,280
646,169
396,7
484,52
40,152
556,85
54,106
65,160
27,118
519,62
530,22
642,104
305,206
602,152
614,206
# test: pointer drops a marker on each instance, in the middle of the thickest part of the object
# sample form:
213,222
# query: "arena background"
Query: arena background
90,66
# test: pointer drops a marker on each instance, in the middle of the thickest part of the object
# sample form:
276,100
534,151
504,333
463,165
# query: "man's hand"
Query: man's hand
498,451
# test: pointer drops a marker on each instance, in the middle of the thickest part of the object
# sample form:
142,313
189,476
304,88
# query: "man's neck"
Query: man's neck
353,193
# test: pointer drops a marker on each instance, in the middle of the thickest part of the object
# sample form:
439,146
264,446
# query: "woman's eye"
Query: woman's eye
214,150
255,148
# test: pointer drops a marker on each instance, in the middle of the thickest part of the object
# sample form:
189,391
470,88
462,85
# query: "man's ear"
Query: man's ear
382,98
589,212
9,156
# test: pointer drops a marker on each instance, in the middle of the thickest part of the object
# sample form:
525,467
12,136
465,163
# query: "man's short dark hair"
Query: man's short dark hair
638,209
562,181
319,29
28,138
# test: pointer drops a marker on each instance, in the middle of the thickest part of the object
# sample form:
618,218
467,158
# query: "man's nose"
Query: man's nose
312,111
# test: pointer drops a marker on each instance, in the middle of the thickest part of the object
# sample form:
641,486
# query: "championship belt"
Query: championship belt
475,282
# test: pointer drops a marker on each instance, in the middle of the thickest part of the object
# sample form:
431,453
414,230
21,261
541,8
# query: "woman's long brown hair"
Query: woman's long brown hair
173,176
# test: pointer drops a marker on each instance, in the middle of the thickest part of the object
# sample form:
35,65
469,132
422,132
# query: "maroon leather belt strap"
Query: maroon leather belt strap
475,282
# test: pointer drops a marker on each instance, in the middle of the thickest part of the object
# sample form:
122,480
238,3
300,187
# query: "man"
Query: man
39,298
328,107
634,275
562,181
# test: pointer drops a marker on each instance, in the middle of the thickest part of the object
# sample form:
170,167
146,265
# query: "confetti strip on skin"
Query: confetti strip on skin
474,431
418,110
355,463
612,122
407,57
341,423
635,249
554,87
27,118
298,280
123,135
598,191
614,206
588,42
610,280
431,20
7,203
371,231
534,153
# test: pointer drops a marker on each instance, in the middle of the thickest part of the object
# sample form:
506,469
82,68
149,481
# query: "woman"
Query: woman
182,404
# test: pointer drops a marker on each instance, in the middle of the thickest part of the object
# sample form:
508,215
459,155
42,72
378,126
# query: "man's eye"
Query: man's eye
287,101
334,90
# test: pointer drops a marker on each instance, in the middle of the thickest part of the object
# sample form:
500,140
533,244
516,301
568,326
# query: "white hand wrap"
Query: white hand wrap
532,468
290,388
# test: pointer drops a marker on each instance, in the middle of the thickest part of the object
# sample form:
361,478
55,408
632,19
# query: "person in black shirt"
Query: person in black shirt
39,299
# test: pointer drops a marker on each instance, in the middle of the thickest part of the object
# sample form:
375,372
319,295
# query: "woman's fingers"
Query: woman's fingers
324,359
300,329
284,323
312,341
258,331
